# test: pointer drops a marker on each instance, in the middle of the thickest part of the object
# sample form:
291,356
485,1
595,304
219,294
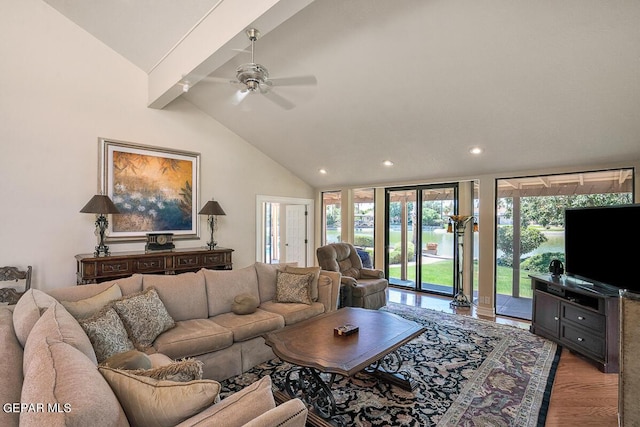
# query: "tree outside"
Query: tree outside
539,216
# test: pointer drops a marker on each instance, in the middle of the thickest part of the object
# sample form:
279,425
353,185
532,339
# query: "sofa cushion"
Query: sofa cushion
239,408
150,402
57,323
224,285
193,337
293,313
267,279
144,316
27,312
306,270
184,295
182,371
245,304
130,360
291,413
293,288
251,325
62,378
10,367
87,307
107,334
128,285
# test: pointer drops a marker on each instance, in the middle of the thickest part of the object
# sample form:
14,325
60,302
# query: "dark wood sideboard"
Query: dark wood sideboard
92,269
580,316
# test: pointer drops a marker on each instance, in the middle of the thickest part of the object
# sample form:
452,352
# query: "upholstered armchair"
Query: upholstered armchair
360,287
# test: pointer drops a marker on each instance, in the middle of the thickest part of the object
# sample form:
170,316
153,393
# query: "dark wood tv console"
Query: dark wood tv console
581,316
92,269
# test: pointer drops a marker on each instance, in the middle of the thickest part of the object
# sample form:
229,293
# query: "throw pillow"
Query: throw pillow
106,333
307,270
150,402
293,288
181,371
245,304
145,317
130,360
87,307
242,406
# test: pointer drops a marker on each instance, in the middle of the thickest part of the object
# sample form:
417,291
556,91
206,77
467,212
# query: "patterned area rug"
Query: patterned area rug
470,372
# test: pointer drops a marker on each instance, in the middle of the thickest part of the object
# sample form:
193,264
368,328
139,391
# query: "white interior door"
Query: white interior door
284,230
296,234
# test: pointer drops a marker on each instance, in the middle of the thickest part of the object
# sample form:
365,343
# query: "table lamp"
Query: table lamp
212,209
100,205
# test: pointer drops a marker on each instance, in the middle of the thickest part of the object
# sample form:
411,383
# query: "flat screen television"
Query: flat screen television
602,245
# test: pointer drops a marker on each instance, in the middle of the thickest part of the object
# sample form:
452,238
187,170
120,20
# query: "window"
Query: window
530,226
331,217
364,220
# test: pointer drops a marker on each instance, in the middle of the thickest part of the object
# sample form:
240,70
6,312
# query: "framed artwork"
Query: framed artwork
155,190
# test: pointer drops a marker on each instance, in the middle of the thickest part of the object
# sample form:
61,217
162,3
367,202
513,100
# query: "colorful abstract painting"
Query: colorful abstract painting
154,190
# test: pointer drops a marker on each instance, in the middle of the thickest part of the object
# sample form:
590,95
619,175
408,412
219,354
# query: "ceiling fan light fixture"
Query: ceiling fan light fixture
252,85
252,76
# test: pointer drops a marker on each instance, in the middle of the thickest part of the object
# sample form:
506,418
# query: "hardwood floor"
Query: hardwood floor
581,394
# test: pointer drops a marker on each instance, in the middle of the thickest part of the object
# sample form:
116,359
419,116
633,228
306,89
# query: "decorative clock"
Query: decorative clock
159,242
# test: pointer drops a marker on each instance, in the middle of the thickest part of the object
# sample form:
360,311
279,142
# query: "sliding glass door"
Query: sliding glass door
401,239
420,252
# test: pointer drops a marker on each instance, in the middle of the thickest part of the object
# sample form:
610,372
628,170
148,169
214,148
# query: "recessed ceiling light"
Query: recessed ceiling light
387,163
475,150
322,171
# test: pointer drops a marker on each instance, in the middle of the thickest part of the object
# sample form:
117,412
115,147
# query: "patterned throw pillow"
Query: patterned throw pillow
293,287
305,270
145,317
106,333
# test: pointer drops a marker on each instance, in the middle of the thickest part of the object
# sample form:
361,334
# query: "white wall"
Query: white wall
61,89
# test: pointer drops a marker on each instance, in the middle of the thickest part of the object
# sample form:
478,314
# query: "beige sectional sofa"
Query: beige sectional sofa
51,370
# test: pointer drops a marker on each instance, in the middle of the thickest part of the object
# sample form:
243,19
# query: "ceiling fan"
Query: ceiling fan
254,78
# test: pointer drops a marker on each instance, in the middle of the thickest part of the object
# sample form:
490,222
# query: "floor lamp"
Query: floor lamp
212,209
459,223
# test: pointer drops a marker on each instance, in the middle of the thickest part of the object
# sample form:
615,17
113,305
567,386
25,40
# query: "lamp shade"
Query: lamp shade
100,204
211,208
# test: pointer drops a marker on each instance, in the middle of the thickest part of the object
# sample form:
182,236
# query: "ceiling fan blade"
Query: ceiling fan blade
295,81
279,100
213,79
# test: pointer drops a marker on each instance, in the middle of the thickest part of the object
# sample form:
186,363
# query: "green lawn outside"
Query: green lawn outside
440,272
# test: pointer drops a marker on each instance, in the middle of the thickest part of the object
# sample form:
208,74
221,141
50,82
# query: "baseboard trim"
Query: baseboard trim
486,311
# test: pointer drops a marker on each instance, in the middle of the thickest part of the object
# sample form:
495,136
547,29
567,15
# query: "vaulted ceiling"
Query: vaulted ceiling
535,84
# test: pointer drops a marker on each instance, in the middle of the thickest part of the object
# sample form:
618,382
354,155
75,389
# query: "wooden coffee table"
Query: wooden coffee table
315,349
